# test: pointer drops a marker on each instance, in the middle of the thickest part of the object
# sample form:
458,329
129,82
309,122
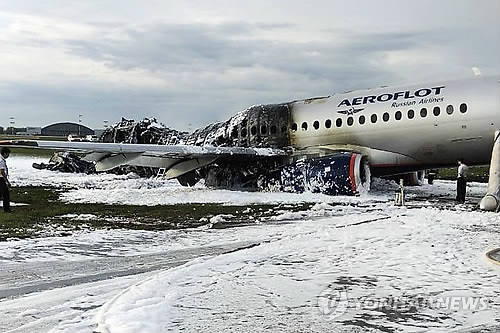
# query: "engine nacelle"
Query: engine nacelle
343,173
339,174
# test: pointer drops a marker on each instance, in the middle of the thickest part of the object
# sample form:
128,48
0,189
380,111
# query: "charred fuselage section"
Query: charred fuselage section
262,126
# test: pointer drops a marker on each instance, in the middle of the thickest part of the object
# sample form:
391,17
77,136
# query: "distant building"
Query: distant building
15,130
98,132
65,129
1,130
33,130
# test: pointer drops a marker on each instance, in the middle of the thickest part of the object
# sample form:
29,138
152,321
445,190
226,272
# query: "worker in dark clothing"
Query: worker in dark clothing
4,179
461,180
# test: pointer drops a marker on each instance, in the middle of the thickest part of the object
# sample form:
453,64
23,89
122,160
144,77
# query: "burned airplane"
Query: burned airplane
328,145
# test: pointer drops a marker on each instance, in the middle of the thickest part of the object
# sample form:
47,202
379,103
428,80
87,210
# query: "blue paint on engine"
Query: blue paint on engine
328,175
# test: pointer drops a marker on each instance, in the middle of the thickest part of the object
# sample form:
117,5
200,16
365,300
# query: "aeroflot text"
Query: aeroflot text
408,94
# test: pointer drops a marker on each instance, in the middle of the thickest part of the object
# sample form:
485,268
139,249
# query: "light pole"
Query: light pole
12,123
79,124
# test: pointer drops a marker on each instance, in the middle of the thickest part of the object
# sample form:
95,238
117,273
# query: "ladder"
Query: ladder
161,172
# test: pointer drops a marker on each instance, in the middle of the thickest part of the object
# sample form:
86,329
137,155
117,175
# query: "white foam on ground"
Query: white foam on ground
275,286
374,250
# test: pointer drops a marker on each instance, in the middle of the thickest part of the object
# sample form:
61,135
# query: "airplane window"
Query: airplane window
338,122
316,125
361,119
243,132
304,126
328,123
350,121
385,117
294,127
436,111
253,130
411,114
273,129
398,115
449,109
263,129
283,129
374,118
423,112
463,107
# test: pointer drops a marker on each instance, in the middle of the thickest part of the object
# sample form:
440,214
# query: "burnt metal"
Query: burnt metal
71,163
67,162
147,131
263,126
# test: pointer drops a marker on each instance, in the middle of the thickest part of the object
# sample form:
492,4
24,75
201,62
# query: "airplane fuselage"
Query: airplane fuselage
410,127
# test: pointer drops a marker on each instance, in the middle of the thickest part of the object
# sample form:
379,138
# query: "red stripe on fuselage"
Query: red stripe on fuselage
352,165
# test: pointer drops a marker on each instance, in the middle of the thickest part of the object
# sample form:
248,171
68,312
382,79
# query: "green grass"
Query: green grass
43,215
32,137
31,151
476,173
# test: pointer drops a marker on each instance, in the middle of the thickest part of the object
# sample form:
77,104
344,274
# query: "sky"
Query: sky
189,63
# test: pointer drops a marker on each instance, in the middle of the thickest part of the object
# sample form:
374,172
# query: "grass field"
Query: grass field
30,151
32,137
476,174
46,215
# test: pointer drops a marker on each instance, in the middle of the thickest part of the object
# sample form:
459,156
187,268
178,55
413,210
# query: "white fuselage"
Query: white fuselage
459,120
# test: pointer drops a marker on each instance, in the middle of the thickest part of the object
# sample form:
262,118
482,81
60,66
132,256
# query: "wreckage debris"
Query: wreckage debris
67,162
147,131
263,126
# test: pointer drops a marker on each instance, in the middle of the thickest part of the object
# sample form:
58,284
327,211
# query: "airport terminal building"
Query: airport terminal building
67,128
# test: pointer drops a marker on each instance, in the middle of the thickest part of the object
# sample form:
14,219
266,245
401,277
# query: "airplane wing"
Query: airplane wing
176,159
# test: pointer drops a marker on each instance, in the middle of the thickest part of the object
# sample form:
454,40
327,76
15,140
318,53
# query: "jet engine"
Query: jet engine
339,174
343,173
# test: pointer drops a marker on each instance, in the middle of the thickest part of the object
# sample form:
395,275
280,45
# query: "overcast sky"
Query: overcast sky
189,63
